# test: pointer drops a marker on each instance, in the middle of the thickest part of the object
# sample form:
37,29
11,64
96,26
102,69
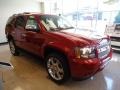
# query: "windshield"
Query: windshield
54,23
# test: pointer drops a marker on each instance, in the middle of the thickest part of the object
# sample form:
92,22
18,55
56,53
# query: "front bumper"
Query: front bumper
86,68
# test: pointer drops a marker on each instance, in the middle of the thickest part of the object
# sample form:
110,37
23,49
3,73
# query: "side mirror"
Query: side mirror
32,28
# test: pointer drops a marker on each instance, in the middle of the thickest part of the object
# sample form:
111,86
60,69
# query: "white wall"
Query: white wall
9,7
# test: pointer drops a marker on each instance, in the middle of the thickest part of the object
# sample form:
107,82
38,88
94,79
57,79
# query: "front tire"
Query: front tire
13,48
57,68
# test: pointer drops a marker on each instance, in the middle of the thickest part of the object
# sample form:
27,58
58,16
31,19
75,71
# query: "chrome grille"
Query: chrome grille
103,48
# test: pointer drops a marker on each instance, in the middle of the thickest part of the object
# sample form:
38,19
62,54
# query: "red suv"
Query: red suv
67,51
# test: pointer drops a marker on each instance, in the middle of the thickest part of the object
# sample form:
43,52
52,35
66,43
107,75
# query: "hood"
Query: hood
84,33
82,36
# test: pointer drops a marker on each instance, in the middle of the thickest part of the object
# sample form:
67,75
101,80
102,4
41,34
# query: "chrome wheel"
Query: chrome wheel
55,68
12,47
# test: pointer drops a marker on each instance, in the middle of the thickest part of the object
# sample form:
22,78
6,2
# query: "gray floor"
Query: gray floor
29,74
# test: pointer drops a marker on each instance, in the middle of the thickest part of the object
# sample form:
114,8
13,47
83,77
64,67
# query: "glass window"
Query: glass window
10,20
32,24
20,21
54,23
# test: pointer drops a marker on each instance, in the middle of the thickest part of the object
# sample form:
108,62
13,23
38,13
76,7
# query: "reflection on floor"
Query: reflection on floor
30,74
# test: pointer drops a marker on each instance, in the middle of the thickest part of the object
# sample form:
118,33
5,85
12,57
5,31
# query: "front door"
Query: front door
33,35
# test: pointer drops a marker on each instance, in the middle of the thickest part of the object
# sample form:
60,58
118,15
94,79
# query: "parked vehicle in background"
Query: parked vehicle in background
67,51
114,32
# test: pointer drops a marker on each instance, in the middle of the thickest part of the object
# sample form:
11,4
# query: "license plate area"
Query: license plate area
102,49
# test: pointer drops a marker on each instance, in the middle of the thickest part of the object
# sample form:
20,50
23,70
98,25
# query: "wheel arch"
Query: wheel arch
50,49
9,37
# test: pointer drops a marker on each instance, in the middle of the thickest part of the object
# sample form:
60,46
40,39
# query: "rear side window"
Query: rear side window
10,20
20,22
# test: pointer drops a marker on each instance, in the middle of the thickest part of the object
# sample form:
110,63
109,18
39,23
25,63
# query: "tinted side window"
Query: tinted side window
20,21
10,20
32,24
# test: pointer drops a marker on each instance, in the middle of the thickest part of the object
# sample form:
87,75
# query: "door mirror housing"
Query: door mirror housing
34,28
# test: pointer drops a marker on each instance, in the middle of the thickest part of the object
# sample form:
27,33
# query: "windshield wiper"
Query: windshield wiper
69,28
60,28
55,29
63,28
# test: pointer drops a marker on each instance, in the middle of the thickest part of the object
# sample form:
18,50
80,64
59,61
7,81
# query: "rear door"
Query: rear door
19,32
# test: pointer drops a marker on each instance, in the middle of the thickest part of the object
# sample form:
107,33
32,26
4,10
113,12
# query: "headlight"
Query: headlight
86,52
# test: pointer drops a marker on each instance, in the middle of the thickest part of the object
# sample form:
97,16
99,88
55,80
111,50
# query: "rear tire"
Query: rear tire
13,48
57,68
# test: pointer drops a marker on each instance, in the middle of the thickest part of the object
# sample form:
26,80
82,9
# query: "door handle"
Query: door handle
13,32
23,35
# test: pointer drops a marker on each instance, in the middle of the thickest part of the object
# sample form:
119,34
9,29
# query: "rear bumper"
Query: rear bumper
87,68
